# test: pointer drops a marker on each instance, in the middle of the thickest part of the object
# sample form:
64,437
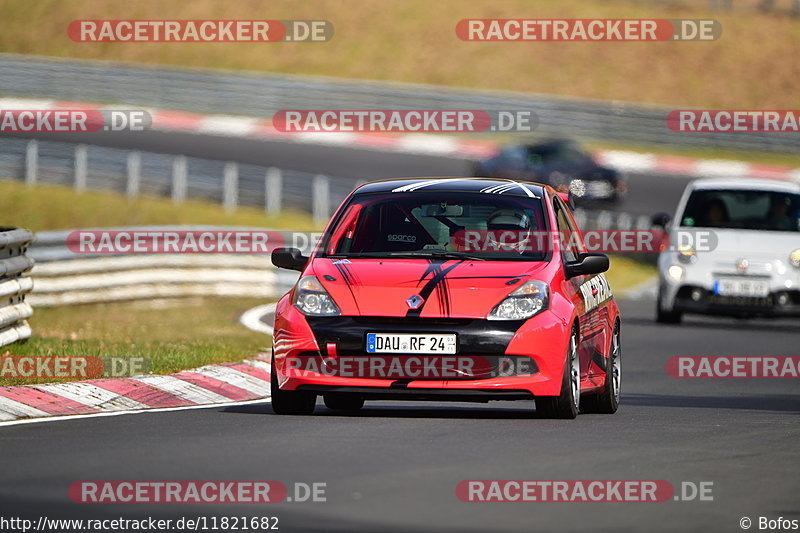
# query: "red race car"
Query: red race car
461,289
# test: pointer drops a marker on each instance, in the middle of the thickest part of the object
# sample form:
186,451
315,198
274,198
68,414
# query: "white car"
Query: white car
734,250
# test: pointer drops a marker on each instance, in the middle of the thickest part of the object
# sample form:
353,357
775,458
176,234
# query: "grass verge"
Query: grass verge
51,207
627,272
171,335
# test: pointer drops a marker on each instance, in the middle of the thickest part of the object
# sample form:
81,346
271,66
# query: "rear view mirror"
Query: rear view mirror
587,264
568,199
289,258
444,210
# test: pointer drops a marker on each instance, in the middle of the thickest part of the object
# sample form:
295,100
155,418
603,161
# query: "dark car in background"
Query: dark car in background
563,164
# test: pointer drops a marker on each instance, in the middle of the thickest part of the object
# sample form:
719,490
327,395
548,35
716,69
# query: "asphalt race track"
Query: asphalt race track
394,467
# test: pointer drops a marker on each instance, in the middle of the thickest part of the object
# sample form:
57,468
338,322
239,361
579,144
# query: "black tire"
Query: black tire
567,404
666,317
343,402
289,402
607,401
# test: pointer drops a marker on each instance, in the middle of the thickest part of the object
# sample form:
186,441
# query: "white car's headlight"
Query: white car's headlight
794,258
311,298
528,300
675,272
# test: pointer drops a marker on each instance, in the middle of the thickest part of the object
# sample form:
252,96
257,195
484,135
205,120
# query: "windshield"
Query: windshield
438,225
743,209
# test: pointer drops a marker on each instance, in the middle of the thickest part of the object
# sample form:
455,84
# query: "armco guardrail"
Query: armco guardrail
236,93
133,173
65,278
14,285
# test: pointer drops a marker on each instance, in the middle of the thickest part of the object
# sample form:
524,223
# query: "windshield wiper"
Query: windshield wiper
449,255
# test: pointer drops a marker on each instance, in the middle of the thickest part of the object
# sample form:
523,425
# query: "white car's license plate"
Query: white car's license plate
758,288
432,343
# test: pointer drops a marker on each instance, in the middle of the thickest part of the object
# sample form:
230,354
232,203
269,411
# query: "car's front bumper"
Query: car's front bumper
696,299
543,340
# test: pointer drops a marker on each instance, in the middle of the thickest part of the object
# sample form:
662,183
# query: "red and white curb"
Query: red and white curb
207,386
418,143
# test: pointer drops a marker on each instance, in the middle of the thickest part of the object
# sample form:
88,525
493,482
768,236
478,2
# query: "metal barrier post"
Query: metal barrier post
133,167
320,191
273,187
31,162
230,186
179,179
81,165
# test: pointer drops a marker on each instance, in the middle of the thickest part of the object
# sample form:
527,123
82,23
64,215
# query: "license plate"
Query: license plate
742,287
433,343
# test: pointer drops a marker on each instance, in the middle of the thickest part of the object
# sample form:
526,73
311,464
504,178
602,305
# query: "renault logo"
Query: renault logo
414,301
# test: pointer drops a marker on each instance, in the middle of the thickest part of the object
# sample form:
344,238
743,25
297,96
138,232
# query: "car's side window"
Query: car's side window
567,233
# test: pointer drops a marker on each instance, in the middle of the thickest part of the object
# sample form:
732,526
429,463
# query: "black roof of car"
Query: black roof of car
484,185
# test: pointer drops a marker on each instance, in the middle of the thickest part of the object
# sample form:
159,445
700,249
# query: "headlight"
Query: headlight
523,303
675,272
311,298
577,188
687,254
794,258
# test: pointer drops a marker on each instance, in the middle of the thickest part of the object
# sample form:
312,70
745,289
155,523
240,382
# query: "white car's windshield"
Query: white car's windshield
742,209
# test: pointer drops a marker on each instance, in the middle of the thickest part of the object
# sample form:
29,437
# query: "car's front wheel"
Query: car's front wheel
289,402
567,404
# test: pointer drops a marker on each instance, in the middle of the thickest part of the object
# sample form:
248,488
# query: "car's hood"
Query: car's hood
455,289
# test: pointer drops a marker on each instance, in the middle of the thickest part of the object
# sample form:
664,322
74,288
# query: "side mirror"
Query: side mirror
660,219
587,264
568,199
289,258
